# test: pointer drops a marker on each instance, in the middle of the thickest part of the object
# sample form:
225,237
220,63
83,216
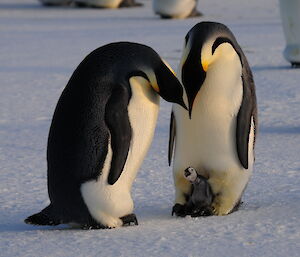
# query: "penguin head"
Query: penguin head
166,84
206,44
190,174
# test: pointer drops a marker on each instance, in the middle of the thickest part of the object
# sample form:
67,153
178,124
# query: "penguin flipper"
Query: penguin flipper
172,135
117,120
245,114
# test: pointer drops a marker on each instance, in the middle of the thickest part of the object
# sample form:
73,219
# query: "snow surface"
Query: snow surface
39,49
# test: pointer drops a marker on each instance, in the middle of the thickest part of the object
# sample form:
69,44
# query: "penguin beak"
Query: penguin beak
190,112
187,173
174,96
182,104
193,77
169,87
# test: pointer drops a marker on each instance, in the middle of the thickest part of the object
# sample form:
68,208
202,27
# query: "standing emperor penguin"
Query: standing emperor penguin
176,9
217,136
101,130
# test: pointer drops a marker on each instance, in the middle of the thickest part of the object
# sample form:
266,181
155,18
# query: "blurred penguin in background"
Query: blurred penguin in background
176,9
93,3
107,3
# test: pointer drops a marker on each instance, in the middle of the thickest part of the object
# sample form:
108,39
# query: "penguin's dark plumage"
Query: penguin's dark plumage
95,127
218,134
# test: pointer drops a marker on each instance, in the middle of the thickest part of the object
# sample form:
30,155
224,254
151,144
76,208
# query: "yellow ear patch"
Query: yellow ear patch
155,87
205,65
168,65
153,81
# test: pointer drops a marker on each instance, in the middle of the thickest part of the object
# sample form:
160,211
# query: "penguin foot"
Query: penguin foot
129,219
237,206
179,210
296,65
93,225
195,13
207,211
41,219
50,4
129,3
163,16
220,210
81,4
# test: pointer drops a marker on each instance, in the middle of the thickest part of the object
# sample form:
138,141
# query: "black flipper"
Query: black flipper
117,120
172,135
246,112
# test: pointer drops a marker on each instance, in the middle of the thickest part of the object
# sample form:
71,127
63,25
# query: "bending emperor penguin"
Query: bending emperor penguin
217,136
101,130
176,9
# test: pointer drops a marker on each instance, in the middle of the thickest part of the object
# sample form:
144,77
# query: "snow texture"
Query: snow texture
39,49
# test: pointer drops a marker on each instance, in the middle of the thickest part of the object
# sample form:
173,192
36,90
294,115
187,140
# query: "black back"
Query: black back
93,107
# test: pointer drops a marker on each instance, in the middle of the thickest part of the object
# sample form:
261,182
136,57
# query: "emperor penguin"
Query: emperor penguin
176,9
107,3
217,135
101,130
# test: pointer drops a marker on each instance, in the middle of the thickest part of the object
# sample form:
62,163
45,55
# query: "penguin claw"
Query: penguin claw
129,220
206,211
93,226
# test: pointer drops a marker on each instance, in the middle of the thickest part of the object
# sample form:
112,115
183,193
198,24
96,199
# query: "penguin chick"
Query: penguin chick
201,197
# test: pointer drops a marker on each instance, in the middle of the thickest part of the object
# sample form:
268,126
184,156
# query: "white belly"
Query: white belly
207,141
107,203
174,8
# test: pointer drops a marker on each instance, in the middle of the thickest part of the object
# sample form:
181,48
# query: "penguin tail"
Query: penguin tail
42,218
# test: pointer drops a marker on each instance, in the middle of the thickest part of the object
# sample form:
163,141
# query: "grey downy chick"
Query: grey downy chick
199,203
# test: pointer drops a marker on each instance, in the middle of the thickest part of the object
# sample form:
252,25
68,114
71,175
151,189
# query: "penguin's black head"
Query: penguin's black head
199,53
158,73
168,86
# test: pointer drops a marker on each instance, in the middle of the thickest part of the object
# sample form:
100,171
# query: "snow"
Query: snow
39,49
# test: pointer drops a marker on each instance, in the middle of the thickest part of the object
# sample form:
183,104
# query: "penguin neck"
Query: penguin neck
143,111
222,89
143,89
